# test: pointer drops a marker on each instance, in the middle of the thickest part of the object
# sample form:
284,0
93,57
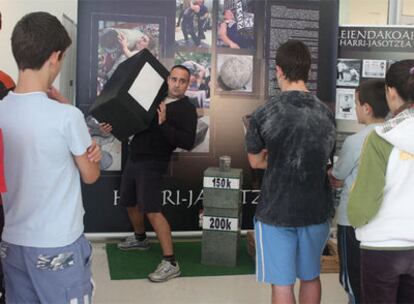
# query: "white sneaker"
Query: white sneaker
164,272
132,243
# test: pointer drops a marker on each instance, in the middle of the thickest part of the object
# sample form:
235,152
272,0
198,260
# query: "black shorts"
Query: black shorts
141,185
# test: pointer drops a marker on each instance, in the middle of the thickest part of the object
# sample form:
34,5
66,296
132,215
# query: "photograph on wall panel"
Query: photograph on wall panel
234,74
119,41
118,37
111,147
345,104
374,68
199,65
193,24
235,28
348,72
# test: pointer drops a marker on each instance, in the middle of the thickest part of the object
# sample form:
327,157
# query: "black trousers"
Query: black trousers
387,276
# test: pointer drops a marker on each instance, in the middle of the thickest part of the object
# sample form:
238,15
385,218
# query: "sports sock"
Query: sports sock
171,259
140,236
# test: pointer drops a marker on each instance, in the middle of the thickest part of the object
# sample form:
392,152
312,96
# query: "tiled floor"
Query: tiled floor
220,289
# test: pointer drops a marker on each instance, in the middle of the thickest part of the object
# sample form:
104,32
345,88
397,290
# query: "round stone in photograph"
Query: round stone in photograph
236,72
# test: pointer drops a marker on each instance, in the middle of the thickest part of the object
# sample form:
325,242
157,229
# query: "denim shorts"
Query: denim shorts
48,275
286,253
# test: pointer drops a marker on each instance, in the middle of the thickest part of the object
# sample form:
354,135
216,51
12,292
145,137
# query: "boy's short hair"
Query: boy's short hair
35,37
294,58
372,92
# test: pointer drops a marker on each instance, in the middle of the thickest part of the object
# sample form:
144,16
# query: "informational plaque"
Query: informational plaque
315,24
364,53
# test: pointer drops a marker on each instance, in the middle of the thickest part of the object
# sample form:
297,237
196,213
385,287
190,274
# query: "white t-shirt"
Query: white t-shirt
43,204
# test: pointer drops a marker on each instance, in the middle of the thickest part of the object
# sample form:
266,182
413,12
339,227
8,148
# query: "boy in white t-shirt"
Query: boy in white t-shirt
371,109
48,148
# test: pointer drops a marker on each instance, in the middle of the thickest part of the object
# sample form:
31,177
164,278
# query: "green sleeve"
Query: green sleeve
366,194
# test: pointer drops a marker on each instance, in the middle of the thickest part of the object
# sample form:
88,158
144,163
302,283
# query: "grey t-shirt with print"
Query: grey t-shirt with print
298,130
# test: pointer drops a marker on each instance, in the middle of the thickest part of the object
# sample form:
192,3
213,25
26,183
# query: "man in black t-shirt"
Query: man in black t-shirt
149,155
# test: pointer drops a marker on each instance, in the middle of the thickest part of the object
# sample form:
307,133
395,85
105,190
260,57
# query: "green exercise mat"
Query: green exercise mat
136,264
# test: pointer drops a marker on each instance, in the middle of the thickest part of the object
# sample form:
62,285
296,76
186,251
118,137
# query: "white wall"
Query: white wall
13,10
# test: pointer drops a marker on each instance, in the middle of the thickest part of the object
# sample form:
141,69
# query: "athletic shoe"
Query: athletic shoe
132,243
164,272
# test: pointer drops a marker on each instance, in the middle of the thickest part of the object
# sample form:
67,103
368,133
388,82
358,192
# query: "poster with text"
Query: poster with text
313,22
366,52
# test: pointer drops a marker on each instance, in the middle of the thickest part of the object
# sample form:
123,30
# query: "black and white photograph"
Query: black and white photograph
110,146
235,28
348,72
119,40
235,73
202,139
374,68
199,65
345,104
389,63
193,23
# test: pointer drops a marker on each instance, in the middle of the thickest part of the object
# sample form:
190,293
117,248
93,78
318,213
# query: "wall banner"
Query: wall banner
222,44
366,52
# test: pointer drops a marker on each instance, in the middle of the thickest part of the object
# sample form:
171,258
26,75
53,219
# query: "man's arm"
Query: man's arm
184,135
88,163
124,45
226,40
258,161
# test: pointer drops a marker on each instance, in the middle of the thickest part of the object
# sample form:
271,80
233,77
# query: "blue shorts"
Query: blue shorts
48,275
286,253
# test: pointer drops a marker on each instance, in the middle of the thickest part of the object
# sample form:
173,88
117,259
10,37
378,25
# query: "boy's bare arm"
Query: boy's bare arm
258,161
335,183
88,163
54,93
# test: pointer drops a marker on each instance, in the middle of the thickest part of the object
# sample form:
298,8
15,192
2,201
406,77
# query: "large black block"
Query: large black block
131,96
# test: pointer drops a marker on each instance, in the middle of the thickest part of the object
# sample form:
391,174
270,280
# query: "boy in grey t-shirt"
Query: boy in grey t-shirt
371,109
